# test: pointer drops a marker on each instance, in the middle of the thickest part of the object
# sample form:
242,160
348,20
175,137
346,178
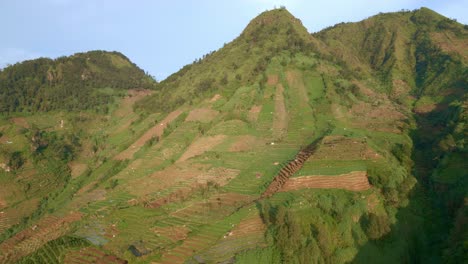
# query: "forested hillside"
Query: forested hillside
77,82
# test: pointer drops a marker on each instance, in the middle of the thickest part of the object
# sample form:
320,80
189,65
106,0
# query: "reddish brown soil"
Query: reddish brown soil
215,98
128,101
272,79
91,255
3,203
20,121
254,111
174,175
174,233
370,116
245,143
31,239
354,181
77,168
201,145
248,227
155,131
203,115
287,171
449,43
424,109
344,148
220,205
280,120
295,80
399,88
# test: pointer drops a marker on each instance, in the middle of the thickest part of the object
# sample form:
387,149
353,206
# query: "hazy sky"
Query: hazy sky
162,36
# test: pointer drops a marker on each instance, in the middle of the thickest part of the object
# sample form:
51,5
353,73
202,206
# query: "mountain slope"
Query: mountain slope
68,83
280,147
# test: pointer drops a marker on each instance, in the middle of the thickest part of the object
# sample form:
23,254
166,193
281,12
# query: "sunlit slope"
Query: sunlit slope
272,149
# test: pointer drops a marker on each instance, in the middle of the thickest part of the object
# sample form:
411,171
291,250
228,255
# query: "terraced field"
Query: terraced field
354,181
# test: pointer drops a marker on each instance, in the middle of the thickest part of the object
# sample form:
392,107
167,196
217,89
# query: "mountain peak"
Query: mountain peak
277,21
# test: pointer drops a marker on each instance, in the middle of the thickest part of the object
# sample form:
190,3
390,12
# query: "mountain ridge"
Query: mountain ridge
343,146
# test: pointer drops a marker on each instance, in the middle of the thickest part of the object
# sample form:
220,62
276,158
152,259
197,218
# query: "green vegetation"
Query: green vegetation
68,83
384,100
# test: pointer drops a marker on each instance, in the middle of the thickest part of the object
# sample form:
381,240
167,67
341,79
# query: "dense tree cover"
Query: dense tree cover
68,83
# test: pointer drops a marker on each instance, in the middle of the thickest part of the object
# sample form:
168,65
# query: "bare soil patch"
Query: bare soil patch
91,255
20,121
31,239
280,120
254,111
215,98
126,105
174,175
174,233
245,143
155,131
344,148
295,80
382,117
272,79
203,115
3,203
424,109
354,181
247,227
449,43
399,87
219,206
77,168
201,145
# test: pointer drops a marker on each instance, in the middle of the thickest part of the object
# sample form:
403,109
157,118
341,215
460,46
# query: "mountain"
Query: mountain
71,83
346,145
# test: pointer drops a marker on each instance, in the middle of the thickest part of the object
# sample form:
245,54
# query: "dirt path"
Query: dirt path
295,81
280,120
200,146
155,131
353,181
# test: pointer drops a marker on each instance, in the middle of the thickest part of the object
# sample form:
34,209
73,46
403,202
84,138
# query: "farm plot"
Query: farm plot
156,131
31,239
248,234
213,209
203,115
280,120
344,148
91,255
174,178
203,238
201,145
354,181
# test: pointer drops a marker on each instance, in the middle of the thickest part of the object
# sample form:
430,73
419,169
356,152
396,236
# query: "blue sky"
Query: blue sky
162,36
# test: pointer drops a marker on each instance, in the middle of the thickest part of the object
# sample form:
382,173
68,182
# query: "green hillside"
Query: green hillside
78,82
342,146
